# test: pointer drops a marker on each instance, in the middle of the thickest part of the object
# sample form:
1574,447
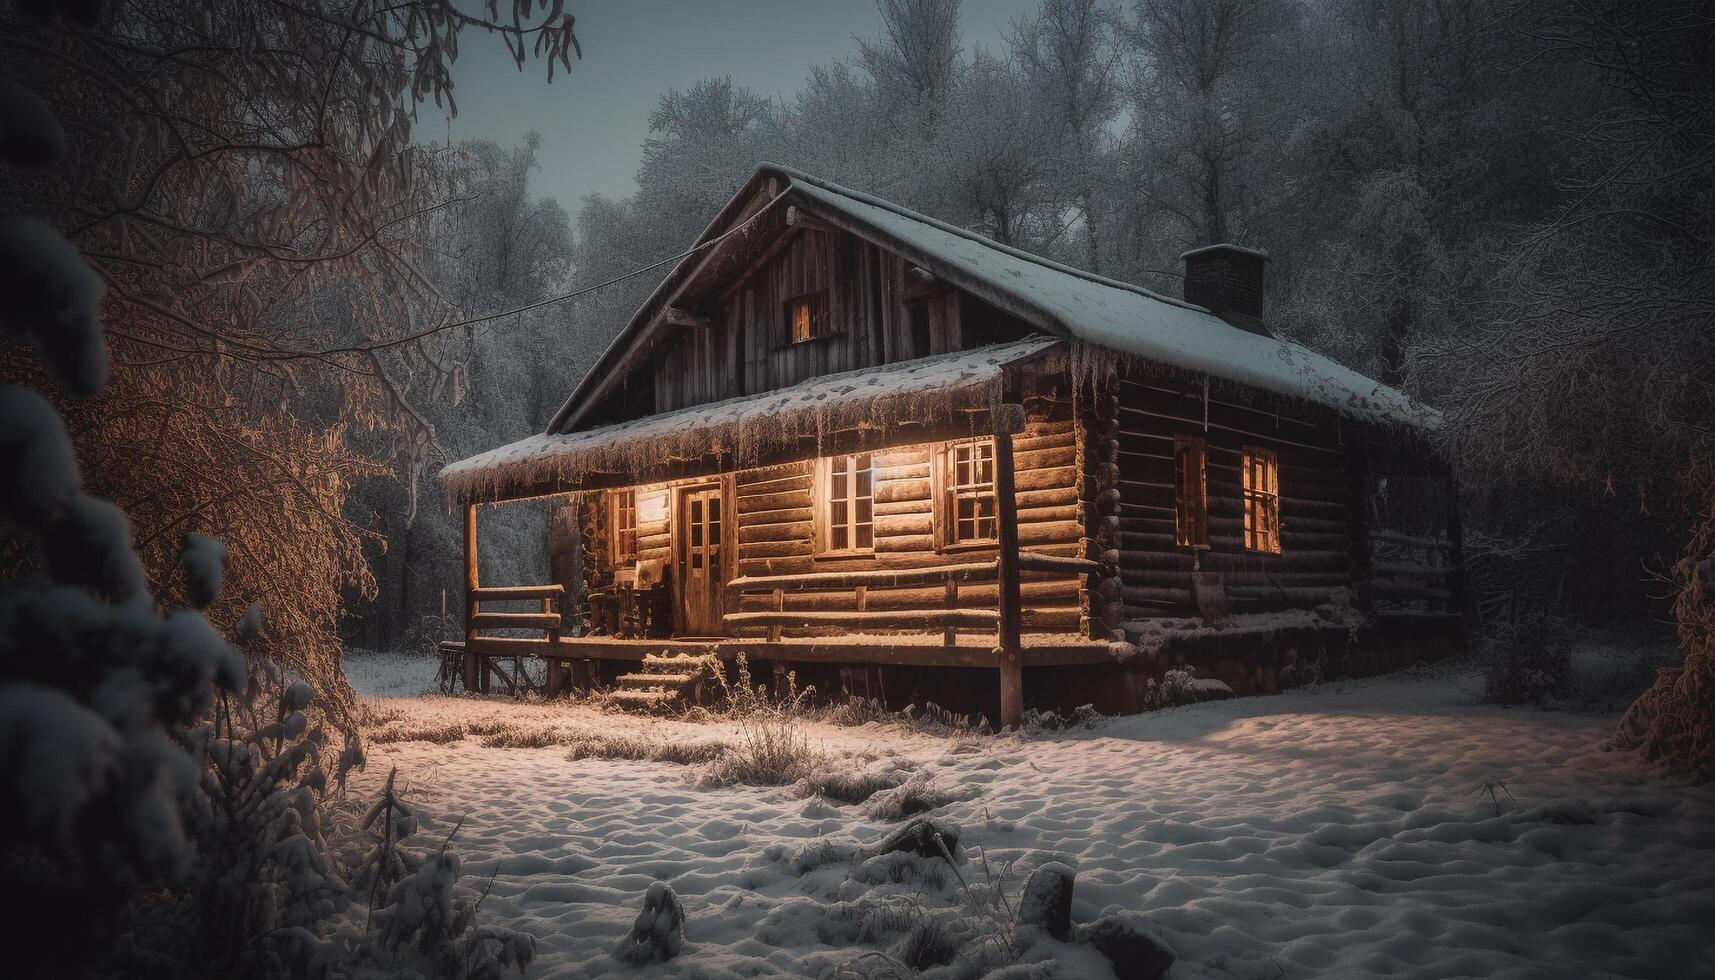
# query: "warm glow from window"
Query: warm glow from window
800,320
622,511
971,510
807,317
847,509
1191,493
1262,500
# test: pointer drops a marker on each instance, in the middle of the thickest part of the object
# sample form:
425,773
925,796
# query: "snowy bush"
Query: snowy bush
99,689
772,747
263,890
430,924
1175,688
1527,659
161,805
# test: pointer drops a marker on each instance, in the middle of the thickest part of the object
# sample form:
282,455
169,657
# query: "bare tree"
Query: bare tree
1070,51
242,177
917,58
1194,98
1589,363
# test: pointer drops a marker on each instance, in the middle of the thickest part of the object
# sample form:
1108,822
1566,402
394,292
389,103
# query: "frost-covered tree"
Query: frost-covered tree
1586,363
493,246
1199,107
1070,53
99,686
915,60
243,181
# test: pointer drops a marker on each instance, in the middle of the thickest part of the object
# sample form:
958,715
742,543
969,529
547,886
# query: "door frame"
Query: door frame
681,540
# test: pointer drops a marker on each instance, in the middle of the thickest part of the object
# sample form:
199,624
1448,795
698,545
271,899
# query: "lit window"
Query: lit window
1191,493
847,510
971,511
807,317
1262,500
622,510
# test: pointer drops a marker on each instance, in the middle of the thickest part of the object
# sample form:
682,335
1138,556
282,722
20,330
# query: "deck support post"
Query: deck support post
1008,420
475,678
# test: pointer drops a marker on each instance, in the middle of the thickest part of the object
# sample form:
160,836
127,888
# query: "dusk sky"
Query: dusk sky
593,122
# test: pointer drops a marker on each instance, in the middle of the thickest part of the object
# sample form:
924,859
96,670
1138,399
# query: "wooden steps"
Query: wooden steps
667,682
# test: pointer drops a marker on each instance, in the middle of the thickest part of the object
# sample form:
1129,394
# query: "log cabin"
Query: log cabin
910,463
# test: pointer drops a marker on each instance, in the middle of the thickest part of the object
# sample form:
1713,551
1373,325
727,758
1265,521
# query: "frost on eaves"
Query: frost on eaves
741,430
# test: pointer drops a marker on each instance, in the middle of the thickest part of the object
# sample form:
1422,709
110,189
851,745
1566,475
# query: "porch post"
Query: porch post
474,675
1008,419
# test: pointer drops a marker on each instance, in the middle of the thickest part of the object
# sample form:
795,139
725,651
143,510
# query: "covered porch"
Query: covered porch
683,588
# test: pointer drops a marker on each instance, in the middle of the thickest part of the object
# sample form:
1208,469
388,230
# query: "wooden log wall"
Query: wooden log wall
1099,496
654,523
566,552
775,532
596,574
1315,518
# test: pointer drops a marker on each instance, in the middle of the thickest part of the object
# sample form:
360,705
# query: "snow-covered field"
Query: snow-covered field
1386,827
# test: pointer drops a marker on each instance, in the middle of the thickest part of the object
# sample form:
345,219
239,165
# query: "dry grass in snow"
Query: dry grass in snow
1393,826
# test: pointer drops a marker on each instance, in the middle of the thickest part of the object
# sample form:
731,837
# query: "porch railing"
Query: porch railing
948,616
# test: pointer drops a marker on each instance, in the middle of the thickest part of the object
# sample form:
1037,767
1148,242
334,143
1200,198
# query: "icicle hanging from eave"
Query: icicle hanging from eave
740,432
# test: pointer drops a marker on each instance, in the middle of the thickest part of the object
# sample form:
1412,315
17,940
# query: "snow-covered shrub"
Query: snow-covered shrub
1303,672
849,786
1527,658
429,924
772,747
916,795
1174,689
1037,722
659,931
98,687
387,862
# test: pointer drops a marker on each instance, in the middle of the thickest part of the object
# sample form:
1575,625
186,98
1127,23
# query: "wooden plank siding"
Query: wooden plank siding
1316,525
877,312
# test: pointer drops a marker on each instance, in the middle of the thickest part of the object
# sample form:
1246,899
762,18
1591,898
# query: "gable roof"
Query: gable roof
1056,298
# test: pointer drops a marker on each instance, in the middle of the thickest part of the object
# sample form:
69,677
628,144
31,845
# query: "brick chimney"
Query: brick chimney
1227,281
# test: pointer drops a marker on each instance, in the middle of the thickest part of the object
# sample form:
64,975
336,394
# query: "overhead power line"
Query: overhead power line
582,290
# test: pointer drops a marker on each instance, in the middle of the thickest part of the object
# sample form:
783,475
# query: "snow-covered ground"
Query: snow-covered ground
1386,827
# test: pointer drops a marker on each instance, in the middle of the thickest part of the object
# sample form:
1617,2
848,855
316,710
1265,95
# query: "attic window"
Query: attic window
1191,493
807,317
1262,500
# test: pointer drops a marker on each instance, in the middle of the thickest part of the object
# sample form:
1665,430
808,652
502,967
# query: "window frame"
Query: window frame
824,522
948,493
1263,500
821,311
621,502
1190,493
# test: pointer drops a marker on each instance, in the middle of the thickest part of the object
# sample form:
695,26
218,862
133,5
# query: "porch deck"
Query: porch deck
925,650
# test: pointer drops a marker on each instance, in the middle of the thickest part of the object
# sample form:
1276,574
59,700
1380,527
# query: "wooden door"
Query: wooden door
700,562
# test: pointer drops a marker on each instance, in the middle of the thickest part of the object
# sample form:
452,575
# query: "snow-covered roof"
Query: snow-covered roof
740,430
1057,298
1119,316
